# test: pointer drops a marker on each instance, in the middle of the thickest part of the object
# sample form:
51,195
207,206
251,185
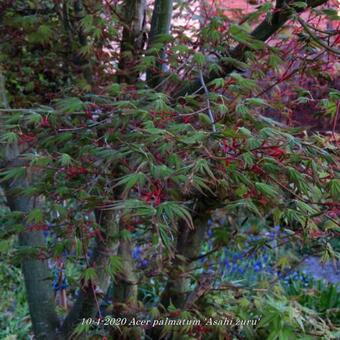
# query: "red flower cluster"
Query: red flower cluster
155,196
257,170
73,172
201,329
317,234
275,152
38,227
44,123
26,137
187,119
90,110
175,314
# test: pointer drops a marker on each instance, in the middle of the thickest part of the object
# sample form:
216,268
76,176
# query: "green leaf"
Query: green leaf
267,190
244,204
256,101
306,208
15,173
36,216
9,138
173,211
248,159
244,83
202,167
242,36
331,13
161,171
65,159
199,59
134,207
71,104
115,265
129,181
333,187
218,82
89,275
244,131
34,118
197,137
299,4
202,185
298,180
165,235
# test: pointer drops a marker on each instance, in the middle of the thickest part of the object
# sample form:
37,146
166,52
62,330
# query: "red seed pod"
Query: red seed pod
275,152
45,123
130,228
27,137
175,314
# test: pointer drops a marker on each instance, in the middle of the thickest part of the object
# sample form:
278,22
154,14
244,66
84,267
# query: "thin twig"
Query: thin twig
316,39
211,116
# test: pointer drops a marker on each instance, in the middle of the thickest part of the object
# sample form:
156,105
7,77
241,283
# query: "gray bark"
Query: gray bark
132,39
125,298
36,273
86,303
188,246
160,25
80,60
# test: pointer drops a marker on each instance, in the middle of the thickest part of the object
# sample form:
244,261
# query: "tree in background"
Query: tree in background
124,138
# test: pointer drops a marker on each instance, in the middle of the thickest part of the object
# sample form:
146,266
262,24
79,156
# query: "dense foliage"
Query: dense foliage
157,173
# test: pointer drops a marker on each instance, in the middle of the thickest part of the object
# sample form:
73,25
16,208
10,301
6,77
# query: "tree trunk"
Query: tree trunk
36,273
188,246
125,296
160,25
80,60
132,40
89,297
177,289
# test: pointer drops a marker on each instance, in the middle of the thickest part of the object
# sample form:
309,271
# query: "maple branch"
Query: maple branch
262,32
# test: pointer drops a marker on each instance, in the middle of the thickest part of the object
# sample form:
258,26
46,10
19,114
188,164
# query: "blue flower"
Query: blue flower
277,228
137,252
257,266
234,268
144,263
60,281
235,257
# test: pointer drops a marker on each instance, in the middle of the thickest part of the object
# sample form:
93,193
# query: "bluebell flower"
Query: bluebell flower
234,267
277,228
137,252
271,235
144,263
235,257
210,271
57,285
257,266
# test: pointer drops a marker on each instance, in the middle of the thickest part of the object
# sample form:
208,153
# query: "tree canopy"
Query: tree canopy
142,140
